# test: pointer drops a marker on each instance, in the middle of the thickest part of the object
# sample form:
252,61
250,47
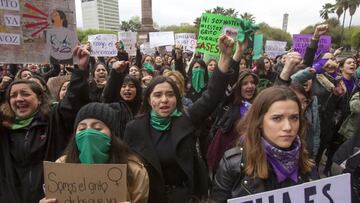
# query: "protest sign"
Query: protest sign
274,48
103,45
129,40
333,189
258,46
76,183
187,40
169,48
211,27
158,39
31,33
301,42
146,49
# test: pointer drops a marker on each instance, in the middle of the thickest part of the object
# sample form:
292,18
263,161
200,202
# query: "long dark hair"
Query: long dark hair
146,107
136,103
62,17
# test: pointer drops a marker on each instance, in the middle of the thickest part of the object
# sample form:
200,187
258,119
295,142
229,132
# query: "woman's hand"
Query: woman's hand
120,66
46,200
240,48
83,54
226,45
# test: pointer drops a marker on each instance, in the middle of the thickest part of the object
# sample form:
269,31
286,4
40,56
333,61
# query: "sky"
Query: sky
173,12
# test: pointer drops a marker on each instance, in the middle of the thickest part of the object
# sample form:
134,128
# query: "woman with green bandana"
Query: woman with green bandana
197,79
96,141
164,134
33,130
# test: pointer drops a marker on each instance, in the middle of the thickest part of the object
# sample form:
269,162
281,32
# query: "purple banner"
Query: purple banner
301,42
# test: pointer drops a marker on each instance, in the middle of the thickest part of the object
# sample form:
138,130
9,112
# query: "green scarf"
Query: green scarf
93,146
198,79
162,123
210,74
21,123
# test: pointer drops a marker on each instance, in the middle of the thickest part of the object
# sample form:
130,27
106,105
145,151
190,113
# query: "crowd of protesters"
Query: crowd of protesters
189,130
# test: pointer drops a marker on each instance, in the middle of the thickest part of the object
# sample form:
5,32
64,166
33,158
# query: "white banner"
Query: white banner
146,49
129,40
333,189
103,45
275,48
158,39
187,40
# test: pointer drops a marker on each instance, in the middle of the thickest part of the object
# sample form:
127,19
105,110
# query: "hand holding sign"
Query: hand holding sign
120,66
226,45
240,48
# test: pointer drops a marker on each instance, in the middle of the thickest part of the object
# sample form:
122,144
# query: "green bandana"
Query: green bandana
148,67
162,123
21,123
198,79
93,146
210,74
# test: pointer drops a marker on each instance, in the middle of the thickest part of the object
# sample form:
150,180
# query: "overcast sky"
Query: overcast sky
173,12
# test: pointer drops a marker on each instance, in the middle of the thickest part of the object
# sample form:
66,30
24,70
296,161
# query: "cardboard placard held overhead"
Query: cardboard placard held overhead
301,42
76,183
103,45
129,40
158,39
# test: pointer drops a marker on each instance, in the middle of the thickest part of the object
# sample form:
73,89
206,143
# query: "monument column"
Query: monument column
146,20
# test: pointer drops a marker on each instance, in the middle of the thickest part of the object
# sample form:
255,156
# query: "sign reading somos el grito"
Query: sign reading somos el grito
334,189
79,183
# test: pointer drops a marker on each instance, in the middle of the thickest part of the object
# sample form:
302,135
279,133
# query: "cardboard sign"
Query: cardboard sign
275,48
211,27
301,42
31,32
77,183
158,39
333,189
187,40
146,49
103,45
129,40
258,46
230,32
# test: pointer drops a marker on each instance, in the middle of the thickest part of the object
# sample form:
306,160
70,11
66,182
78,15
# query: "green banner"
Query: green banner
258,46
211,27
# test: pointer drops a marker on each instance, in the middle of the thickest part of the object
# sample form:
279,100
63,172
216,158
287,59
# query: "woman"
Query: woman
24,74
230,112
62,91
272,151
33,130
211,66
164,135
177,77
197,79
95,142
98,82
243,65
265,72
135,72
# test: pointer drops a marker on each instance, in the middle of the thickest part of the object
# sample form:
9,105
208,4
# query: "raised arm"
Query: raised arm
207,103
312,48
114,83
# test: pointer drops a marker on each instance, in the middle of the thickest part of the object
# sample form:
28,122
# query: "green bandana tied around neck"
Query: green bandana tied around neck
210,74
198,79
162,123
21,123
93,146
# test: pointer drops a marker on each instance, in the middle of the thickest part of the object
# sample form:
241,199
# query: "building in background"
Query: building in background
100,14
285,22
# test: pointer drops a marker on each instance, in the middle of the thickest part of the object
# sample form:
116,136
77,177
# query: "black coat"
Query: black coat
137,136
23,151
230,182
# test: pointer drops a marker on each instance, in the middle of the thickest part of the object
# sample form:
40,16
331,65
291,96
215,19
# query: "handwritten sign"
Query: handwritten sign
77,183
333,189
146,49
301,42
32,31
129,40
187,40
211,27
274,48
158,39
103,45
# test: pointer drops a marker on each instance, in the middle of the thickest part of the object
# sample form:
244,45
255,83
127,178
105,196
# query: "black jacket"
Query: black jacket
137,136
23,151
230,182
